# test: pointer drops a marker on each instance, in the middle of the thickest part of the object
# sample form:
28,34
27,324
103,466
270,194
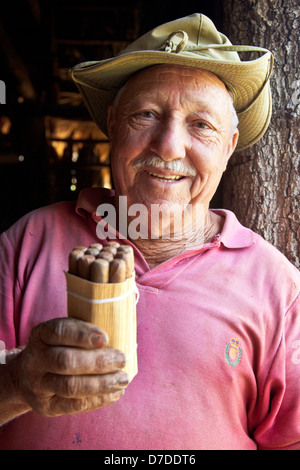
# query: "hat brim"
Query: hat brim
248,81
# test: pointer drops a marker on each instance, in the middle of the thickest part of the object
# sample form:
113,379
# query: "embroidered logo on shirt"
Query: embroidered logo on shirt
233,352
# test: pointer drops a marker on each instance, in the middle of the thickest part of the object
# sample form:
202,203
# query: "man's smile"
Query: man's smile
165,178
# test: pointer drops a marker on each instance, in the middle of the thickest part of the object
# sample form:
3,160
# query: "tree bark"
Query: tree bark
261,184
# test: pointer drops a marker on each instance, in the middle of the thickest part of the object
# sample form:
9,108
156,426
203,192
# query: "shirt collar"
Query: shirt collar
90,198
233,235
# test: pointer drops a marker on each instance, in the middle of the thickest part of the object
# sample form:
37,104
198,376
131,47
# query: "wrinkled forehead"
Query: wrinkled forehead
166,72
164,76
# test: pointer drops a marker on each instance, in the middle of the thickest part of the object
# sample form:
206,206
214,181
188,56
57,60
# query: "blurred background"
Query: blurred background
49,147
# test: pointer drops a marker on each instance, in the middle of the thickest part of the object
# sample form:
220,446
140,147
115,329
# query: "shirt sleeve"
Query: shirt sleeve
9,292
280,430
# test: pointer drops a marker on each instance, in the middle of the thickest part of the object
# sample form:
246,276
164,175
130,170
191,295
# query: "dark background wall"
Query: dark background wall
39,42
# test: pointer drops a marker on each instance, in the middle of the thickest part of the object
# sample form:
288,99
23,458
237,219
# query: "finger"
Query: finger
81,386
75,361
60,405
70,332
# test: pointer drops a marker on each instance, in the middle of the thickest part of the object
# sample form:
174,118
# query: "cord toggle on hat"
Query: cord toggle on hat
171,47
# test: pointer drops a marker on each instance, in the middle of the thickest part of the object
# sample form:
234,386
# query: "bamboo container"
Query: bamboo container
112,307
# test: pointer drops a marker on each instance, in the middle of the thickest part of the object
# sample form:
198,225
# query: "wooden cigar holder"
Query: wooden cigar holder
112,307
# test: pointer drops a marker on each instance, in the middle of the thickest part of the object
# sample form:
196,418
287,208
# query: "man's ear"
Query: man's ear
232,144
110,121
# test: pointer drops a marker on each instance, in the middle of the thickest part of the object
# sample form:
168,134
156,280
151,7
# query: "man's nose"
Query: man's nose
171,140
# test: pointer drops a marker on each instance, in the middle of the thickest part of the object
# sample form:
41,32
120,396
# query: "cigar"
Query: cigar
113,244
117,271
92,251
109,249
105,255
100,271
81,248
73,258
127,248
98,246
84,266
128,258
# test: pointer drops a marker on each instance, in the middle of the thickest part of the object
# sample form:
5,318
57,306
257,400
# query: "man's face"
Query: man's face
171,136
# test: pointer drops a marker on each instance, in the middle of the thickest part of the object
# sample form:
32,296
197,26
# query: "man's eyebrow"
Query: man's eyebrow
206,108
201,107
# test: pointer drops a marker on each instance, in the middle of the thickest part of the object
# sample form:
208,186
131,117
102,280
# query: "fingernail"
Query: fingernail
99,340
117,395
123,380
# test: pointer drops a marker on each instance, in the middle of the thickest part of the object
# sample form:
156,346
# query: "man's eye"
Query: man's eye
141,117
146,114
202,125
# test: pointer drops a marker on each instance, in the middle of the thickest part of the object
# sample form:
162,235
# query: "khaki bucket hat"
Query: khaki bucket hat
192,41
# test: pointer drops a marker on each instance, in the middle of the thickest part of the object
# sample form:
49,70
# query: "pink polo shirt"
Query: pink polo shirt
218,339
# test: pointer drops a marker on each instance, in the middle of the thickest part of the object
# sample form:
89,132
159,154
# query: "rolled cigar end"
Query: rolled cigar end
92,251
73,259
117,271
84,266
109,249
113,244
105,255
81,248
98,246
127,248
100,271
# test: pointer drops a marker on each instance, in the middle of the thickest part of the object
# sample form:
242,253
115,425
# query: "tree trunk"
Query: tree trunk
261,184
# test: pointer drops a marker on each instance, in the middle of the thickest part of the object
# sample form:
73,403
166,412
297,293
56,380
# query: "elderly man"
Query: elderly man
218,313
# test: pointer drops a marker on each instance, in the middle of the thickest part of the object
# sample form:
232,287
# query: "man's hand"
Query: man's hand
66,369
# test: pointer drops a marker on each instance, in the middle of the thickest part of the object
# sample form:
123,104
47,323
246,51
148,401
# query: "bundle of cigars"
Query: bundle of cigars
112,263
101,289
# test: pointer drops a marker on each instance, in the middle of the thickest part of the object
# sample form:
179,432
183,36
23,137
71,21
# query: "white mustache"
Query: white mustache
177,166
